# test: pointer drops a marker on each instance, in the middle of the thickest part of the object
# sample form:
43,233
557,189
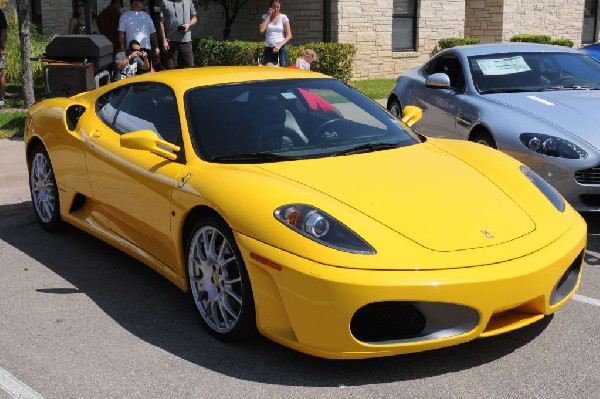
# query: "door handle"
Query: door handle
95,134
463,120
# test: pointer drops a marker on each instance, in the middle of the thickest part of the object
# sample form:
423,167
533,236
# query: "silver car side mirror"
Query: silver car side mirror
438,81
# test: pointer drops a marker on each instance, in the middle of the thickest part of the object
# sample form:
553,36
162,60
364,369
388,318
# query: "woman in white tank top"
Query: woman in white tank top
276,27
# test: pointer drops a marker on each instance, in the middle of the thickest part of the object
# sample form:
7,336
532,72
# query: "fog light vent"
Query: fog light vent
387,321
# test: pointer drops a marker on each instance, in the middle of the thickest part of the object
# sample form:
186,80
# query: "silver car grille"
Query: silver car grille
588,176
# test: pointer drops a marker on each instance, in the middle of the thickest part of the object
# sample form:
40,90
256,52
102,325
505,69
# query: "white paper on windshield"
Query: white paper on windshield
503,66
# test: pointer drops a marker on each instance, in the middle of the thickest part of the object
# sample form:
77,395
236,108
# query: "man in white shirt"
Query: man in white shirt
137,25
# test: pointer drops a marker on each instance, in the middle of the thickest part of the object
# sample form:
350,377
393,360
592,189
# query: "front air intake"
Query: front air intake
387,321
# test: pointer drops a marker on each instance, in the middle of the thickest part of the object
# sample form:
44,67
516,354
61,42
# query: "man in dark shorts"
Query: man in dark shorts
176,20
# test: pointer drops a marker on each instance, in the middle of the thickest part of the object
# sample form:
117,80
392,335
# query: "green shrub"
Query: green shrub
335,59
456,41
563,42
541,39
12,69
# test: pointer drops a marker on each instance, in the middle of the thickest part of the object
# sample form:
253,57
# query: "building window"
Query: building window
404,25
36,14
590,20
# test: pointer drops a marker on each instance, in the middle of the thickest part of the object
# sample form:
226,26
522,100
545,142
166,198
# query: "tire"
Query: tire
44,190
218,281
395,108
484,138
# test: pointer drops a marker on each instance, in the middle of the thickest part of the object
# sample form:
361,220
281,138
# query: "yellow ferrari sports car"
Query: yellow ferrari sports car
286,202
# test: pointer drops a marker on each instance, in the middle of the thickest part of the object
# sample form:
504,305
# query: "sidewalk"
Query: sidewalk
14,186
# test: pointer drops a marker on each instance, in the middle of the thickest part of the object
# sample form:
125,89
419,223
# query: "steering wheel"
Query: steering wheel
325,132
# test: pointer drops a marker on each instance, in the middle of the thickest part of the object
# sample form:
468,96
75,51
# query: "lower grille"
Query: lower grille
588,176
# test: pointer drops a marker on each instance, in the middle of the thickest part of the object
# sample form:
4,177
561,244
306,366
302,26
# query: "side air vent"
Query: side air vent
74,112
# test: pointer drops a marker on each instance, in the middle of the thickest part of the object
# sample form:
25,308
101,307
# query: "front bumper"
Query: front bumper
310,306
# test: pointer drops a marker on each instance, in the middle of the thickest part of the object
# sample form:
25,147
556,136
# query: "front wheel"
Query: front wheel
219,283
484,138
44,191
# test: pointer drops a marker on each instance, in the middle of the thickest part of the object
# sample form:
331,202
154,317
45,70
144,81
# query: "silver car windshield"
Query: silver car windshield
521,72
282,120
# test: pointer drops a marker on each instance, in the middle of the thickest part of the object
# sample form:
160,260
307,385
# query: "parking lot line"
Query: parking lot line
16,388
585,299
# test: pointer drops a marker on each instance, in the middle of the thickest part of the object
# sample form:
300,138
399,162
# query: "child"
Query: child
308,56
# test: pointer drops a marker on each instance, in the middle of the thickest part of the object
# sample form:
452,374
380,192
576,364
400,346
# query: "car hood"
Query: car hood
575,111
443,204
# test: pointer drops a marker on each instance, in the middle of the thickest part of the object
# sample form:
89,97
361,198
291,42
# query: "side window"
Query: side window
106,105
151,107
452,67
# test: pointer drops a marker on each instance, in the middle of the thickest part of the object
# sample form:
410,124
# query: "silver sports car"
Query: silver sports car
538,103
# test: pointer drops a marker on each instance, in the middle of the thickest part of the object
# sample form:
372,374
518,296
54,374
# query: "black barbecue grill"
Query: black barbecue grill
77,63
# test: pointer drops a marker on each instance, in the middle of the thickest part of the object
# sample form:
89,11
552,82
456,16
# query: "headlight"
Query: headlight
322,228
545,188
552,146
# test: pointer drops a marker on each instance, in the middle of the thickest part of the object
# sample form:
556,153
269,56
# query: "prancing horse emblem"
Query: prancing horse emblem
487,234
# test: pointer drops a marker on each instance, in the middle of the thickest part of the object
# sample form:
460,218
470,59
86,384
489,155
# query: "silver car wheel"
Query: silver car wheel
43,188
215,279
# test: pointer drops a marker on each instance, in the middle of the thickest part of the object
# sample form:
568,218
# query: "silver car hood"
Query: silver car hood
574,111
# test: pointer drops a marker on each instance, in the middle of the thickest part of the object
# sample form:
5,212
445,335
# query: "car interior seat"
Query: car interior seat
270,129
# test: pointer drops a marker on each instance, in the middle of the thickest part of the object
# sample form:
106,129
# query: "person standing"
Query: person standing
176,20
276,27
77,22
137,25
3,37
108,22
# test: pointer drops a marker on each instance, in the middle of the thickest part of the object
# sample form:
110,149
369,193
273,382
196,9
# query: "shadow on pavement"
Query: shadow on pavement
154,310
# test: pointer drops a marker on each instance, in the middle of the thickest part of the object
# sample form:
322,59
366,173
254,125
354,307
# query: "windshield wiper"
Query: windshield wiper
253,157
491,91
570,87
369,147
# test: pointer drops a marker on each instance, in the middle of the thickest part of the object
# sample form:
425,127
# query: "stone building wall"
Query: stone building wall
484,20
368,25
555,18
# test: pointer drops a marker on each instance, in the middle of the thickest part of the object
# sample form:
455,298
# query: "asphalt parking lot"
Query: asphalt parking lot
79,319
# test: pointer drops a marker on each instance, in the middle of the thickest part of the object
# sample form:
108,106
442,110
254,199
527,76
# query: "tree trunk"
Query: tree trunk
25,36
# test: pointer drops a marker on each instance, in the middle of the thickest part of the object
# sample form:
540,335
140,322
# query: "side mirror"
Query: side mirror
411,115
438,81
149,141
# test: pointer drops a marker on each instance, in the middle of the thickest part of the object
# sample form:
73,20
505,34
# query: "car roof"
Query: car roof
493,48
183,79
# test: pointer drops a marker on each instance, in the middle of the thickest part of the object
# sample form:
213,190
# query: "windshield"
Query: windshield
281,120
514,72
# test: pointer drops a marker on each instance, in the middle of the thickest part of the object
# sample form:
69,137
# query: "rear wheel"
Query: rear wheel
43,188
485,138
395,108
219,282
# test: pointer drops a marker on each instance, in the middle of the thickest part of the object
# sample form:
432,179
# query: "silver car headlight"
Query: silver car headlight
552,146
546,189
318,226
